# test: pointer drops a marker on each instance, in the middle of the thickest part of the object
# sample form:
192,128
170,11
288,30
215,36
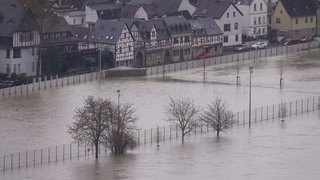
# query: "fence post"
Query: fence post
290,108
49,155
63,153
41,156
78,149
279,110
151,136
19,161
145,136
26,159
70,152
273,111
244,117
164,133
4,163
158,138
34,157
238,118
11,161
296,107
57,77
138,137
56,153
170,131
301,105
308,105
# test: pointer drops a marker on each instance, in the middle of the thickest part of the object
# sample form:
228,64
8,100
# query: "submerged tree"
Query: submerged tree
91,121
218,116
184,114
120,134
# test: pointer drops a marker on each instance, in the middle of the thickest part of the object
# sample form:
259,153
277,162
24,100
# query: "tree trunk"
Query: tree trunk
97,149
218,131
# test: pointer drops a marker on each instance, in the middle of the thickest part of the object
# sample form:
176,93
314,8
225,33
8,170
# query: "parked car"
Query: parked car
292,41
242,47
204,56
259,45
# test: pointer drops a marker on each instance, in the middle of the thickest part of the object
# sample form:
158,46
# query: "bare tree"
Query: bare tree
217,115
183,113
91,121
120,134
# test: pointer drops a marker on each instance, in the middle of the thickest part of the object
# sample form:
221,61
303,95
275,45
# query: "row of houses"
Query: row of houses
137,33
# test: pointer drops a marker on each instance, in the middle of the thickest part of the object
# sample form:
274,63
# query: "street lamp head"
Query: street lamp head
251,69
118,91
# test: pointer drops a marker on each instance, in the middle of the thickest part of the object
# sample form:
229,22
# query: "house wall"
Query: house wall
75,19
25,64
125,49
231,35
257,28
26,39
318,22
292,27
91,16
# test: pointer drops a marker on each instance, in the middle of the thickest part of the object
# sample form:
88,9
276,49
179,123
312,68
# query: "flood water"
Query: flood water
42,119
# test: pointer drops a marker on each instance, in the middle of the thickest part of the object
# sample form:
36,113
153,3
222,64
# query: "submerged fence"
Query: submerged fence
260,53
54,81
157,135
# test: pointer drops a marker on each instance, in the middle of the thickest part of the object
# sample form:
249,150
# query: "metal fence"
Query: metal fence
157,135
260,53
54,81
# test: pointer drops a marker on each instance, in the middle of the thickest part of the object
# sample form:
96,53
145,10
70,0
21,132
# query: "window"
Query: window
120,49
226,27
227,15
260,6
259,20
17,53
187,39
297,20
306,20
26,36
176,53
175,41
263,31
129,47
311,19
186,51
125,35
235,26
234,14
74,21
225,39
237,38
158,55
215,48
254,21
8,53
278,20
15,68
255,7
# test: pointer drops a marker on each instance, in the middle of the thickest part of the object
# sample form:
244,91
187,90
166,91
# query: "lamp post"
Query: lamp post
100,64
118,92
250,71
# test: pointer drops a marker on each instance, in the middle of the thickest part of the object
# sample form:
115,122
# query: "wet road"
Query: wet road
42,119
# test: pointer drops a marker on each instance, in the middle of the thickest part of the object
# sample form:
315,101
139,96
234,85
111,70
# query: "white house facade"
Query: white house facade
185,5
255,17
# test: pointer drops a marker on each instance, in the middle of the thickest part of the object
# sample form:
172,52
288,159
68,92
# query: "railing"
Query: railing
260,53
157,135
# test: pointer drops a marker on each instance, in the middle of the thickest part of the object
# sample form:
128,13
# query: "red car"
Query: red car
204,56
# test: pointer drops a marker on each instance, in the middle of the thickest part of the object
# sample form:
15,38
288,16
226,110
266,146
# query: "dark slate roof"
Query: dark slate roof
11,20
317,2
103,6
175,20
243,2
73,4
184,13
7,2
209,26
164,7
300,8
106,31
144,28
80,32
213,8
52,24
129,10
194,2
29,22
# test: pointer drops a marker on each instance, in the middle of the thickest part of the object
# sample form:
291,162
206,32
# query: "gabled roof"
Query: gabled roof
73,4
11,19
103,6
184,13
208,25
145,27
300,8
129,10
213,8
54,23
106,31
164,7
